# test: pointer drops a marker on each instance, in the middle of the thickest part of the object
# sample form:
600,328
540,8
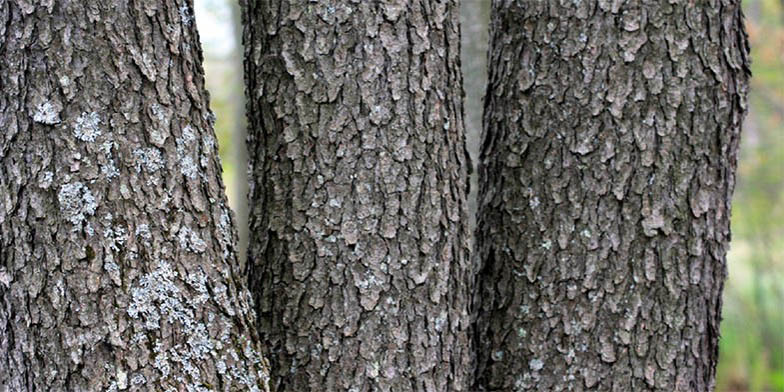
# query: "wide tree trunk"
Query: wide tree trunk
117,261
358,247
607,167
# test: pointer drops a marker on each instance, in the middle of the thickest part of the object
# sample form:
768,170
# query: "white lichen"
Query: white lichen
115,237
188,135
162,364
536,364
112,269
440,321
122,379
138,379
5,278
138,338
45,180
224,224
534,202
143,231
199,342
198,280
220,366
109,169
157,297
46,113
87,127
149,159
186,16
188,167
547,244
190,240
76,202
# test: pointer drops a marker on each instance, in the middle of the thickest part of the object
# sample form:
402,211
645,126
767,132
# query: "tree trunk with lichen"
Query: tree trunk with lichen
607,166
117,263
358,256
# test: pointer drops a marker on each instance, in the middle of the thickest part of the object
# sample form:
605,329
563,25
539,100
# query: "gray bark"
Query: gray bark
117,261
607,166
358,251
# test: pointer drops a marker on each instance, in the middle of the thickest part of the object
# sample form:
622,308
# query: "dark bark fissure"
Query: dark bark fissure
117,261
358,256
607,167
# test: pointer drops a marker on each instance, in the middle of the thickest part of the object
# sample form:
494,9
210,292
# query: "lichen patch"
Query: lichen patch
87,127
76,202
47,113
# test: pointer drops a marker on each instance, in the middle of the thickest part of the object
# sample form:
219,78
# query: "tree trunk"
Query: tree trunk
607,167
117,261
358,247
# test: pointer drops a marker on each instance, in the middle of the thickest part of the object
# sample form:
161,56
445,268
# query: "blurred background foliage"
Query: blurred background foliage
752,341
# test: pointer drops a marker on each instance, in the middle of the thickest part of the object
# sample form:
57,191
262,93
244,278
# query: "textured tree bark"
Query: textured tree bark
358,247
607,166
117,261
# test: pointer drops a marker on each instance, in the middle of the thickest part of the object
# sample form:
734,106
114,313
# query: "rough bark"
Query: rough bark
117,261
607,166
358,247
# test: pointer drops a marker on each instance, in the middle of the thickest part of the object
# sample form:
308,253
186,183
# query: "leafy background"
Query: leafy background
752,333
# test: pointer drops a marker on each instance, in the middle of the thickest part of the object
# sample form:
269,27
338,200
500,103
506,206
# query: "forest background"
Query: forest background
752,332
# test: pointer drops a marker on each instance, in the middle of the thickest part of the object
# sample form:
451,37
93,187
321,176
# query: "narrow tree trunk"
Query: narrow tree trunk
358,247
117,261
607,167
